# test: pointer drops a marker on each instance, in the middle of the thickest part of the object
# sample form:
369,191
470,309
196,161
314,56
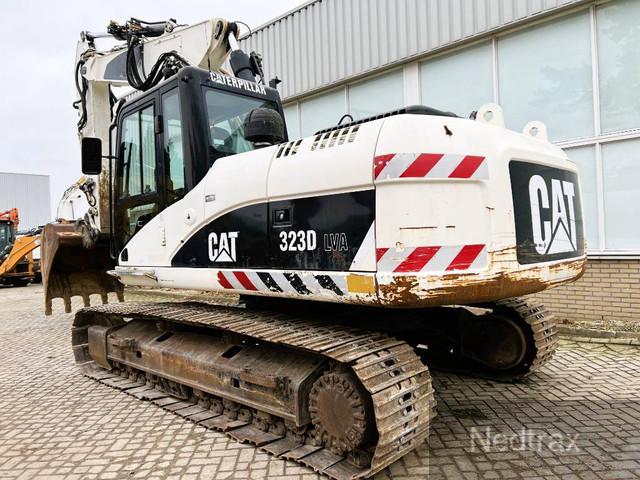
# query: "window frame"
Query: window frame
137,109
206,89
131,201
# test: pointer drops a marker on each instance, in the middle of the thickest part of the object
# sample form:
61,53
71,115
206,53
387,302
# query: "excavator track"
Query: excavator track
396,383
536,328
543,331
455,339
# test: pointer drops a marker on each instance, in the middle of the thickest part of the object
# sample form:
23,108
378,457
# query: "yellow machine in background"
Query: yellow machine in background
17,264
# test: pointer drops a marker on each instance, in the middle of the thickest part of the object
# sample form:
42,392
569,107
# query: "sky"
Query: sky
38,124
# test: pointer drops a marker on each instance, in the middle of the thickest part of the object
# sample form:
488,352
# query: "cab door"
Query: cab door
138,193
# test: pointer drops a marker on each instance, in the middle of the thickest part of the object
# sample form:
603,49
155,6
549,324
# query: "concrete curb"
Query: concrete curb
588,335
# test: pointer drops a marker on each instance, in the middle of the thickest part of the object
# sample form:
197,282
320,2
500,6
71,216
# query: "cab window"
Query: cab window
5,236
226,112
138,162
138,199
172,147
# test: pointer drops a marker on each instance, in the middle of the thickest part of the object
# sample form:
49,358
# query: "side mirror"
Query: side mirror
91,156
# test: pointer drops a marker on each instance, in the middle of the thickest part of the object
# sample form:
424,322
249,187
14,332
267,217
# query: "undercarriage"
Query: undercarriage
346,396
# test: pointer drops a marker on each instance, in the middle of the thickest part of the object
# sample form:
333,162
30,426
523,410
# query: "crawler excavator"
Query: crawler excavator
362,253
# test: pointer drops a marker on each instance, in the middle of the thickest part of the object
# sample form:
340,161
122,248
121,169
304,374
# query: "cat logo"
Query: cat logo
557,235
222,247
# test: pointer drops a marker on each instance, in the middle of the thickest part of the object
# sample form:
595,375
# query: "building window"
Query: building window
585,158
621,171
459,82
321,112
292,120
378,95
545,74
618,34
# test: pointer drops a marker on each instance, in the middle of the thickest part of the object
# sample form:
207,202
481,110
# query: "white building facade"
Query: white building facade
575,65
30,194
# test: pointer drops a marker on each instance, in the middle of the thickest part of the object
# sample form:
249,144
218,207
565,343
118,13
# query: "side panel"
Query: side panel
433,198
323,233
236,239
178,235
327,183
334,162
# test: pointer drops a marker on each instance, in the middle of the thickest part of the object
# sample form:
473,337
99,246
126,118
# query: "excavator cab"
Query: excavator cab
6,237
168,138
165,141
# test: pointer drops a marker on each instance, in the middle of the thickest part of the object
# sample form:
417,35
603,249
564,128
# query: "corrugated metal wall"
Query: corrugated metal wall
30,194
327,41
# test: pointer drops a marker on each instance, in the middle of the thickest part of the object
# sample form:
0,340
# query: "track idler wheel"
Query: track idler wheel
495,340
341,412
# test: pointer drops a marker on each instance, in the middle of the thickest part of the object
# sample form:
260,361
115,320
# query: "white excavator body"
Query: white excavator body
408,210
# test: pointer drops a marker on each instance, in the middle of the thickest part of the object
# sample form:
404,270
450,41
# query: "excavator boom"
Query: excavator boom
76,250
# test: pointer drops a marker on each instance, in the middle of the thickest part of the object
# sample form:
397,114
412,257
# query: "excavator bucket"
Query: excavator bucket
69,269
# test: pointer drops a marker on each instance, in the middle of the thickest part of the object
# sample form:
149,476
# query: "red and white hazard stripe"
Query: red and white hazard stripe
429,259
429,165
237,281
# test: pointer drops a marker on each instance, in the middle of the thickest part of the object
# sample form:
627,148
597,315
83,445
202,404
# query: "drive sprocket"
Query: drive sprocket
340,412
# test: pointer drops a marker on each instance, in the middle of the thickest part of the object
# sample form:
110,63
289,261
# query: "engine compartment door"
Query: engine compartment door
322,201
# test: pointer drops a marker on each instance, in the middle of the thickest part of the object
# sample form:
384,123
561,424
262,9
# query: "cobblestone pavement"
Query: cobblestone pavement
578,418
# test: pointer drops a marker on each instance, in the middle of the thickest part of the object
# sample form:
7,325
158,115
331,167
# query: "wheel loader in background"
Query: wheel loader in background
362,253
18,266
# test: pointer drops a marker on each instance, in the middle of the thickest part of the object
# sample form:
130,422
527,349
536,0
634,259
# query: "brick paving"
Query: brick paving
577,418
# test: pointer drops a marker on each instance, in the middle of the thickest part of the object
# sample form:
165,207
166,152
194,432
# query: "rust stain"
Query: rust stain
104,208
400,292
467,288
